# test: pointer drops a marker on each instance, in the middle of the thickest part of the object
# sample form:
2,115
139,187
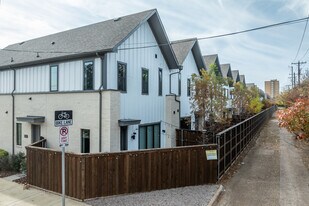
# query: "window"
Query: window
18,133
188,87
160,82
149,136
88,75
122,77
179,84
54,78
85,141
145,81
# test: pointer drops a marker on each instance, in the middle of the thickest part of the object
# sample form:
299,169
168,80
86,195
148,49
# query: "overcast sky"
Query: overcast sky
260,55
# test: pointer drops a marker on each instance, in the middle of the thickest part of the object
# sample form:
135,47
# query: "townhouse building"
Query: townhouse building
112,75
191,61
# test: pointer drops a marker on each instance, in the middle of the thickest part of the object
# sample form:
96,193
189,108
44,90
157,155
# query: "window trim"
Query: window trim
93,75
17,136
160,83
145,69
50,77
126,86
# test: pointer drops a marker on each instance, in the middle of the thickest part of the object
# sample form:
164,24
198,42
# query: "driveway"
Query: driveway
14,194
274,172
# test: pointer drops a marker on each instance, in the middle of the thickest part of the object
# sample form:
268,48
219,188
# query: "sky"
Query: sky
261,55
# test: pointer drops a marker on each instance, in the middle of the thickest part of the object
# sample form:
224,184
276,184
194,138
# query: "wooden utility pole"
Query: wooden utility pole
299,70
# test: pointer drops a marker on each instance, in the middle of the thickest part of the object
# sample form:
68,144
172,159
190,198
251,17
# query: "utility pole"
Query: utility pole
292,76
299,69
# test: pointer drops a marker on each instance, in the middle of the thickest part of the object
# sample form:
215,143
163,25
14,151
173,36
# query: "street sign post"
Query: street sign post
63,119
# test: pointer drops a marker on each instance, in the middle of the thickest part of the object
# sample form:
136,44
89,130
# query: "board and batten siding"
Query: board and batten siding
37,78
6,81
189,68
148,108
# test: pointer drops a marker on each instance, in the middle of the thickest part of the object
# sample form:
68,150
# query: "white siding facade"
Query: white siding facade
147,108
6,81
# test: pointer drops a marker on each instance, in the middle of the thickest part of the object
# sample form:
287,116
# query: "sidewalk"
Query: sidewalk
14,194
274,172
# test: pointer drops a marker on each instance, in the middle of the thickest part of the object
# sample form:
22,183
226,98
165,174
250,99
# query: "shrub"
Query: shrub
296,118
16,161
3,153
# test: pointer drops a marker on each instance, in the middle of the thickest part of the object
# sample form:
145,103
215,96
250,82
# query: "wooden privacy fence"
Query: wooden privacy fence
232,141
103,174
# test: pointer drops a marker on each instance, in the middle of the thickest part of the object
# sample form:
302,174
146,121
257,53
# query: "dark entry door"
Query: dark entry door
35,133
124,138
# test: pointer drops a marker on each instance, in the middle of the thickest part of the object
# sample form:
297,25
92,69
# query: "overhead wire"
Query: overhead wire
302,39
295,21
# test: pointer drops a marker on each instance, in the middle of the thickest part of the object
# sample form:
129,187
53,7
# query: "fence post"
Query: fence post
218,155
182,137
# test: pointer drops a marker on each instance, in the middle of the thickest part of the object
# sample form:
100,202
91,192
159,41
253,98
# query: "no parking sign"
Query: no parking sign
63,136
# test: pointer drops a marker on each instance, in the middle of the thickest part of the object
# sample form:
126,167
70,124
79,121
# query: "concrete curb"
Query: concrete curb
216,195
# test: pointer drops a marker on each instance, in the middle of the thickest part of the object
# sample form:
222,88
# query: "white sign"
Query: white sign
63,136
211,154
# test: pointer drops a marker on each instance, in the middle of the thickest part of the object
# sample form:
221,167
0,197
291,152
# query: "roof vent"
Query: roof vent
21,43
52,43
117,19
12,60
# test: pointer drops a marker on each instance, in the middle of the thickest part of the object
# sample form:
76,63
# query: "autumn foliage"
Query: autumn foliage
296,118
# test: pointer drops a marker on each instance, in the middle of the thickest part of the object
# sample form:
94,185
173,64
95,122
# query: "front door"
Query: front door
124,138
35,133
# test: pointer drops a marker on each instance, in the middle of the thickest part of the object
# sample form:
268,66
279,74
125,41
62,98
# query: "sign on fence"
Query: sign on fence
211,154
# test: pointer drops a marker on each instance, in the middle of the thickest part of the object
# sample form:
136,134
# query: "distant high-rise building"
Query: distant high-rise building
272,88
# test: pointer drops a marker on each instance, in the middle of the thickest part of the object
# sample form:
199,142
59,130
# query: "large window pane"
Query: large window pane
150,137
142,137
179,84
88,75
145,81
122,77
54,78
156,135
188,87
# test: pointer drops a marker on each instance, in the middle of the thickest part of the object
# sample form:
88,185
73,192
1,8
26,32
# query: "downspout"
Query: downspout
178,72
100,102
13,112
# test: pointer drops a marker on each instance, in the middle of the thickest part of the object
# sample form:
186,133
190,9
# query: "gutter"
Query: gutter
13,112
100,102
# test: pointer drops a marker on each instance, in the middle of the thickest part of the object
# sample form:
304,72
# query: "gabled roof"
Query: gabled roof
235,74
183,47
85,41
226,71
242,79
212,59
249,85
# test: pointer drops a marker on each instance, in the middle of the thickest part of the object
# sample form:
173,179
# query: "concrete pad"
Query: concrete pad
14,177
13,194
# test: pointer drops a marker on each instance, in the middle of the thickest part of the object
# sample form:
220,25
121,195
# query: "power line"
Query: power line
302,39
167,44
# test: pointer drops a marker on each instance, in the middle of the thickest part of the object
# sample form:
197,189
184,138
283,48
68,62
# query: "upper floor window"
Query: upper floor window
88,75
122,77
54,78
145,81
160,82
188,87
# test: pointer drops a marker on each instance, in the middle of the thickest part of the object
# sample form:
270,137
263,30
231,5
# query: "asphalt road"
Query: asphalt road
274,172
